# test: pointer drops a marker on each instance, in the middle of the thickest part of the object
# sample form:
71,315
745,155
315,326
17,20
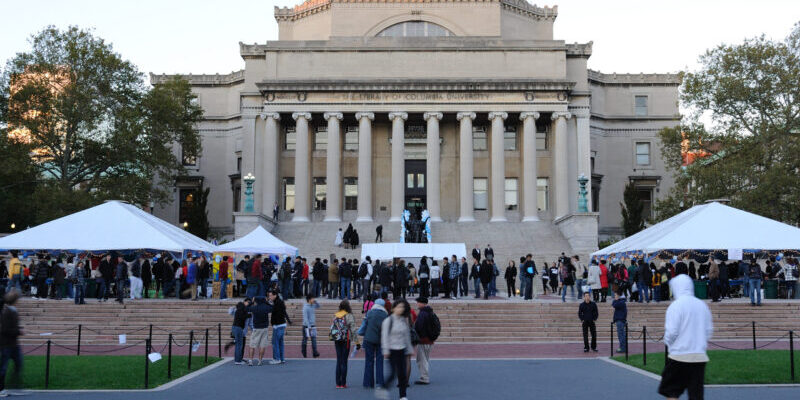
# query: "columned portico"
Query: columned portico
365,166
562,179
529,166
302,163
466,166
398,157
333,210
269,171
498,166
433,164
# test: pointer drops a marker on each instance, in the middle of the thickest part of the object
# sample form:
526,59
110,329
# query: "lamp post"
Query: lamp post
248,192
582,206
13,226
185,225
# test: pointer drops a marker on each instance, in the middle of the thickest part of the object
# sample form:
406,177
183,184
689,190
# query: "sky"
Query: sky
199,36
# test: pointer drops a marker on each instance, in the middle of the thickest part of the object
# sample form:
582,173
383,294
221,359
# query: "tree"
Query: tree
632,209
198,214
17,185
751,154
96,130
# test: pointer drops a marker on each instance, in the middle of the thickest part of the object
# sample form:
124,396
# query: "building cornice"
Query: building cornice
379,44
634,79
579,50
267,86
201,79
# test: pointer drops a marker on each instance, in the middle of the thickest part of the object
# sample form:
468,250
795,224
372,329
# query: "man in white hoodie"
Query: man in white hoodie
687,329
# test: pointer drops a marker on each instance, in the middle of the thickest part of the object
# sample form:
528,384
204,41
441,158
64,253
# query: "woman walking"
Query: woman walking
237,330
343,331
396,344
511,276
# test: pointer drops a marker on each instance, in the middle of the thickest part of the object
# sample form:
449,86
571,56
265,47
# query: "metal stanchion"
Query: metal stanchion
169,357
644,345
666,353
754,335
80,329
611,340
146,363
190,345
47,366
791,353
206,355
219,338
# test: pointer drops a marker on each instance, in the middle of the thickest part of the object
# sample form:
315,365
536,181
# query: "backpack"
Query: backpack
434,327
362,270
338,330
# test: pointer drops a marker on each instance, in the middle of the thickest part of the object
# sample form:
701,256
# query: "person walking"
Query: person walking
259,311
511,276
370,329
237,331
120,276
365,274
310,326
587,312
396,344
603,281
530,272
454,275
343,331
279,319
475,275
345,278
620,320
223,278
339,238
594,281
275,210
754,276
428,329
435,278
379,234
191,277
567,279
485,273
9,340
463,279
424,274
687,329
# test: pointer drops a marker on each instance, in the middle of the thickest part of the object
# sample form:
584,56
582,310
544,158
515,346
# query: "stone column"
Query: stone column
529,167
498,167
432,165
302,168
333,180
269,171
398,164
562,179
584,154
364,166
466,166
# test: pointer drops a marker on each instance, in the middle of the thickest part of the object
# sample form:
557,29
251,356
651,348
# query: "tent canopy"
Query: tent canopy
258,241
708,227
113,225
384,251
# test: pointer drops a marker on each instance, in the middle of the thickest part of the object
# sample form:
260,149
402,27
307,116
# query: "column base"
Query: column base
298,218
244,223
466,219
364,219
530,218
394,219
436,219
332,219
498,219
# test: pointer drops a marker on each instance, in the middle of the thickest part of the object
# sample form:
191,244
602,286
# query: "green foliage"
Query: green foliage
752,95
632,209
608,242
198,214
97,130
17,184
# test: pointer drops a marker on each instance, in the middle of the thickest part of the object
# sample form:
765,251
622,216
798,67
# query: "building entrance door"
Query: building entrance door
415,198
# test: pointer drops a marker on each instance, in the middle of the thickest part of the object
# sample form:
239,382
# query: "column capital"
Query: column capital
528,114
433,114
398,114
466,114
498,114
297,115
368,115
329,115
562,114
268,115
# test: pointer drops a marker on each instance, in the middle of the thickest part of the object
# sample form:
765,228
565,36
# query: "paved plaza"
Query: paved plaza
452,379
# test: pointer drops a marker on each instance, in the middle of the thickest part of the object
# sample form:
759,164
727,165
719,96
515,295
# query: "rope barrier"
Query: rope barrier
35,348
774,341
723,347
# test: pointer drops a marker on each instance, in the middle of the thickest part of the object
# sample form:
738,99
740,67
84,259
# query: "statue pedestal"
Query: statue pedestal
244,223
580,230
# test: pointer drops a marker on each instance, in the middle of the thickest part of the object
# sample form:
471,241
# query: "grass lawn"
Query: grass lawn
733,366
101,372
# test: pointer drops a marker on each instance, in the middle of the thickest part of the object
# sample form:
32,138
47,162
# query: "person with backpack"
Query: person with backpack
396,345
485,273
343,331
371,331
365,274
428,329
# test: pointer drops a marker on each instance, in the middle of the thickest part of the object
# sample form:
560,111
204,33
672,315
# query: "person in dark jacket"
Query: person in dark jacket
203,273
379,234
237,331
371,331
385,277
645,277
279,320
259,312
754,275
529,271
9,340
424,274
587,312
400,280
147,277
485,274
620,320
40,276
106,274
317,271
423,325
354,239
476,253
511,277
120,276
463,279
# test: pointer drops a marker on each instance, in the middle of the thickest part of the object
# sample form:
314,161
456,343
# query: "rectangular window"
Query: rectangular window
237,195
646,197
188,159
542,193
511,199
239,162
288,194
420,181
321,138
479,138
410,181
351,138
541,140
320,193
510,138
480,194
640,105
643,153
186,204
351,193
290,140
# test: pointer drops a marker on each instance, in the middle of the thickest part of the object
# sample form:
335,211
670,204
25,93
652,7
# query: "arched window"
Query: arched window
415,29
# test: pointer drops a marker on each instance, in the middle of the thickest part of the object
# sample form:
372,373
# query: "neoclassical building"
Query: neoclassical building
468,108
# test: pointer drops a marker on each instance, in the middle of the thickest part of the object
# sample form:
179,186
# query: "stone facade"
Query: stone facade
469,108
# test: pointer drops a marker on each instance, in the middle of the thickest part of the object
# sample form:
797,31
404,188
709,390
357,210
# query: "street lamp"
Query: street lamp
185,225
13,226
248,192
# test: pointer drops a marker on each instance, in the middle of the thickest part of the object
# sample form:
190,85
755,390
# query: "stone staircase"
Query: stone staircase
471,321
509,240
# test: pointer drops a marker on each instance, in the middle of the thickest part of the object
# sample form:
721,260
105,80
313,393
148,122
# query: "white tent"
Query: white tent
707,227
385,251
258,241
113,225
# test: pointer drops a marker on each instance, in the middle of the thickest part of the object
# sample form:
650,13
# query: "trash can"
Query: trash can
771,289
701,289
